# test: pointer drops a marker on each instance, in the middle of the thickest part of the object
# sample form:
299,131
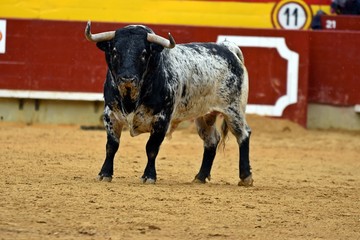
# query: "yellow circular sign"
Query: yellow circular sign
291,14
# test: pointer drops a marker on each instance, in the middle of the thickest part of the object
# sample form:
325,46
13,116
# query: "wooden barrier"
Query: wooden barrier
286,68
334,67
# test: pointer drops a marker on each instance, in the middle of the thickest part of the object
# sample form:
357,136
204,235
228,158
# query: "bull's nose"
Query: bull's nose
126,79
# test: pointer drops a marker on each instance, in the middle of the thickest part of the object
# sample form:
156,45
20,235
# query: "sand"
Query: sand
306,186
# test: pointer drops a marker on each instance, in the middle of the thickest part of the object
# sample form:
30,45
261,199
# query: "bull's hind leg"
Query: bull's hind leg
211,137
236,122
244,163
113,130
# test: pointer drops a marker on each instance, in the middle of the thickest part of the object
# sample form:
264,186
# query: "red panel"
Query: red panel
50,55
54,55
269,81
335,67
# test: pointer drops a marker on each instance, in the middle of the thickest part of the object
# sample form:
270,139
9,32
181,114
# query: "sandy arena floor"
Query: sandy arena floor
307,186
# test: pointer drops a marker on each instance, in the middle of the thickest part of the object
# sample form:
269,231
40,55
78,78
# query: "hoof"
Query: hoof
198,180
104,179
247,182
148,180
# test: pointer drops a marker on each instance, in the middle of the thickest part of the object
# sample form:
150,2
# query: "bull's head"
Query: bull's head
128,52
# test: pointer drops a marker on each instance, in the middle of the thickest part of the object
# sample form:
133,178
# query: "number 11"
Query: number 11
295,14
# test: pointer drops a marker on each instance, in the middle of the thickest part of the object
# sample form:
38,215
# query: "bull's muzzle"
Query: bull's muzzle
128,87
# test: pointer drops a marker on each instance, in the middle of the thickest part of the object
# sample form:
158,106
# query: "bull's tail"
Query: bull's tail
224,133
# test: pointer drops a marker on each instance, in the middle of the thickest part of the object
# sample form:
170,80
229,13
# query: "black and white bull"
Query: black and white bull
153,85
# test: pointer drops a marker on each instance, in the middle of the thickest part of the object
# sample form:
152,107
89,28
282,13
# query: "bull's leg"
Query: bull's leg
244,163
113,130
211,137
152,149
238,126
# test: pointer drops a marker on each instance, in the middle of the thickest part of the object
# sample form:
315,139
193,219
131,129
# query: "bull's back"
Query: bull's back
200,62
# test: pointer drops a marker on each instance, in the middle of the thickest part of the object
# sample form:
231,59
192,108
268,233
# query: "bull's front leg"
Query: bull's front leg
113,130
152,149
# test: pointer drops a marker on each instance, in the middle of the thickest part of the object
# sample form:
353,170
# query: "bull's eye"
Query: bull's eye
143,56
114,55
115,58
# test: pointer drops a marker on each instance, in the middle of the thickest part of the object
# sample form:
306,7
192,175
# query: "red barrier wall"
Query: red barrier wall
54,56
334,67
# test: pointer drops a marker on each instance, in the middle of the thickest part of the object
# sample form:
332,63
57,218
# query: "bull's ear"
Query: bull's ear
104,46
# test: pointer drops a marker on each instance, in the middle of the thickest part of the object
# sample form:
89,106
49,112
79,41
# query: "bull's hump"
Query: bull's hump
197,63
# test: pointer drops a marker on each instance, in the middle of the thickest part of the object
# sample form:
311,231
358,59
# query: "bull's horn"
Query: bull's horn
99,37
167,43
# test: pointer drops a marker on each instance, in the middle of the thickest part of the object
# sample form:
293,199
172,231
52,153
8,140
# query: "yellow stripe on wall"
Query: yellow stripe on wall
199,13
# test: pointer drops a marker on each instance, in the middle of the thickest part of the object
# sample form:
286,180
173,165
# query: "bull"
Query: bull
153,84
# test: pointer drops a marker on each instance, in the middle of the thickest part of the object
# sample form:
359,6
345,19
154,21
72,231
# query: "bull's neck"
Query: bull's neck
128,105
154,92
